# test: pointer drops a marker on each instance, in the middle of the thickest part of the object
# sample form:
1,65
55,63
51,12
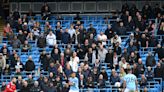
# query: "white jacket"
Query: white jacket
51,39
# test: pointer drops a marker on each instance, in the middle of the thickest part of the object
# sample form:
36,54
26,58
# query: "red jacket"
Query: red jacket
10,87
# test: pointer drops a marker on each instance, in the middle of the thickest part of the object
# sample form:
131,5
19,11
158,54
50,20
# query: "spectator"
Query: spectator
52,68
109,32
16,14
124,17
76,37
131,48
115,39
121,29
7,70
66,37
21,36
30,81
109,58
90,82
149,74
45,11
114,78
68,52
95,74
32,22
55,55
135,70
19,25
158,71
139,22
41,42
15,42
5,51
3,86
79,50
58,84
62,60
129,25
115,61
29,66
36,87
67,70
131,39
19,64
26,46
133,10
82,82
144,41
122,73
7,29
45,85
101,81
104,73
51,88
102,38
86,72
147,11
25,28
58,31
117,49
19,83
132,58
25,87
24,18
102,53
125,54
2,63
36,32
159,51
83,34
90,57
51,39
123,63
150,60
91,30
71,31
140,66
143,81
74,61
161,29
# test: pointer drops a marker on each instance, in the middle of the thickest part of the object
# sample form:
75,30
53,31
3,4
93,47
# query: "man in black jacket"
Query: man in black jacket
29,66
36,87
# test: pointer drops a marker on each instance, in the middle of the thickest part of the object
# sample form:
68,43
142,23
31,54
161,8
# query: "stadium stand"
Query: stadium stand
100,49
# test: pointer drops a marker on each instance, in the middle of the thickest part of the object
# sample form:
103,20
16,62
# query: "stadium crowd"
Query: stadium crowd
90,52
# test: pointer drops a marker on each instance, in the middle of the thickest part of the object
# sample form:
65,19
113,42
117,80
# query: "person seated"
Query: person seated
102,38
30,65
36,87
25,87
66,37
26,46
91,30
114,78
51,39
150,60
21,36
15,43
41,42
7,29
101,81
143,81
149,74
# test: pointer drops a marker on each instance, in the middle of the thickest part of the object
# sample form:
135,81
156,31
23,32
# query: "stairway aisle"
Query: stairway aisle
1,29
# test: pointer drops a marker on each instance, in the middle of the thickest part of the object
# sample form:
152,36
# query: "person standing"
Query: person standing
11,87
130,82
74,83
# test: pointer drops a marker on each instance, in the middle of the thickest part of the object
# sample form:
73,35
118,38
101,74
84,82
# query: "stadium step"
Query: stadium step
1,28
